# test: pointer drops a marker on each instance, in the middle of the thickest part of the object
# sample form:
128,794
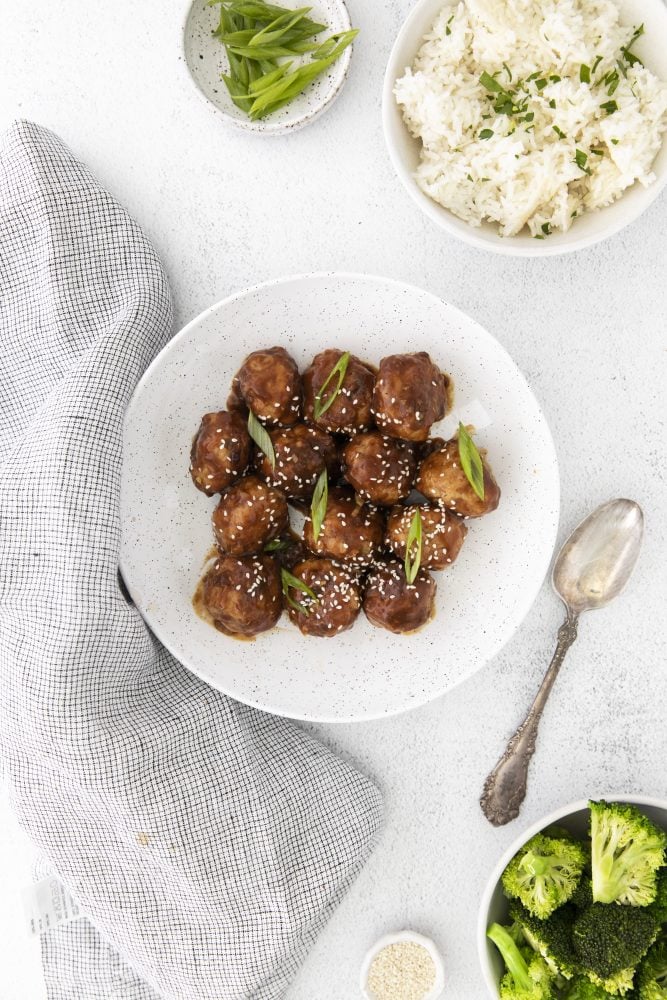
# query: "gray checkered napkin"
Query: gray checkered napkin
206,842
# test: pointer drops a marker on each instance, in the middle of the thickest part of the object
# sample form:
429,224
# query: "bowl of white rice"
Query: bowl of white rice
530,127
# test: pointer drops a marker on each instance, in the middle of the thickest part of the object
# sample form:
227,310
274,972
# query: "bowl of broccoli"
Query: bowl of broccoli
576,909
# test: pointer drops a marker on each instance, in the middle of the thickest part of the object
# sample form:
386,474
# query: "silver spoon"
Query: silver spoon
591,569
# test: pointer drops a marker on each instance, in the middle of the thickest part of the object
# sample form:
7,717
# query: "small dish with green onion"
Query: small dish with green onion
268,68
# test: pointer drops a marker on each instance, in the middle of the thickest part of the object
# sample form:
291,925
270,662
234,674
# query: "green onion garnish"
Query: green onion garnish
581,159
630,58
491,83
277,545
585,73
320,405
414,542
318,506
288,580
261,437
486,133
471,461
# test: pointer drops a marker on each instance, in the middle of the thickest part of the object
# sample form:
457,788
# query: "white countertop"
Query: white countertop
227,210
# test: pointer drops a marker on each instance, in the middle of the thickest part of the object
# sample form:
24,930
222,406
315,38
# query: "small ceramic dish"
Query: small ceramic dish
398,938
494,906
592,227
206,60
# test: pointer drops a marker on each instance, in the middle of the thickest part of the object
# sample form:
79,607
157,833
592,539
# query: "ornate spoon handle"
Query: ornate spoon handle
505,787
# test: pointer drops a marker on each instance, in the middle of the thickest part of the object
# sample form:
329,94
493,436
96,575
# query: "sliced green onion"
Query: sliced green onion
318,506
288,580
413,544
320,406
471,460
261,437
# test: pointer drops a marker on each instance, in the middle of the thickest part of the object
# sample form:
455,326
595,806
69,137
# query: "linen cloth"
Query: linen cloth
206,842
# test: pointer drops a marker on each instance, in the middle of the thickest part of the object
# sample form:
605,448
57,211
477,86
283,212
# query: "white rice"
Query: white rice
525,173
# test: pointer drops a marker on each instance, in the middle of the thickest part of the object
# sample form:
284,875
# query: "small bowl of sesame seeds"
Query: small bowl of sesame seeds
403,966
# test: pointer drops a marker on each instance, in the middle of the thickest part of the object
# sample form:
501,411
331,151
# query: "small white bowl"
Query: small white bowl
590,228
397,938
206,60
494,906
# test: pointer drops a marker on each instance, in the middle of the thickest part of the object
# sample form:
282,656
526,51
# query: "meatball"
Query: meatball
268,382
443,534
338,598
441,478
350,532
351,409
302,453
250,514
410,395
243,596
391,602
381,469
220,452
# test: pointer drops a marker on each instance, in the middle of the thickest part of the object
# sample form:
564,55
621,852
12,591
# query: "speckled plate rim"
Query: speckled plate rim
553,817
551,460
268,127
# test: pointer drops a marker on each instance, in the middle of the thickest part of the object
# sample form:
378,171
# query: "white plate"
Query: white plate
205,59
367,672
592,227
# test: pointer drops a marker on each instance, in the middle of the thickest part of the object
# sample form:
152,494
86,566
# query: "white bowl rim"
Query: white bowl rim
269,128
371,278
537,827
441,217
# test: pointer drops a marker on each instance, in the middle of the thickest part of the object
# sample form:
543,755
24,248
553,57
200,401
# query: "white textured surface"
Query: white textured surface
588,330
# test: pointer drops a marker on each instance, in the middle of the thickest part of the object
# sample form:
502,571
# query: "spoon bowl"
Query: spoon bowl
596,561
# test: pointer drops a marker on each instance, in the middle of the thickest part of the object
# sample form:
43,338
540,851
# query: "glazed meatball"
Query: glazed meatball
243,596
268,382
351,409
441,478
410,395
338,598
381,469
220,451
302,453
350,532
443,534
249,515
391,602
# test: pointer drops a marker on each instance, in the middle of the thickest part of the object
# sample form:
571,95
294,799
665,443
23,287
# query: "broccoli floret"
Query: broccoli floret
626,852
551,938
611,939
583,989
527,976
617,985
544,874
582,897
652,974
659,906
